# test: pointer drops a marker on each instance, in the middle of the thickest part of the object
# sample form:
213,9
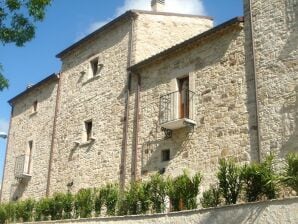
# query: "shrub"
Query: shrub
24,210
110,194
259,180
211,198
68,204
98,202
42,209
11,211
229,180
137,198
56,206
3,214
290,177
183,191
157,189
84,203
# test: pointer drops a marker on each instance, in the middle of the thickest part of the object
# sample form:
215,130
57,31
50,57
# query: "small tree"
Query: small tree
183,191
157,187
211,198
42,209
260,180
68,205
56,206
98,202
110,194
24,210
3,214
290,177
229,180
84,203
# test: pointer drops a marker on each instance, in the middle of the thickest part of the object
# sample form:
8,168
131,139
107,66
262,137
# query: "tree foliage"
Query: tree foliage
17,19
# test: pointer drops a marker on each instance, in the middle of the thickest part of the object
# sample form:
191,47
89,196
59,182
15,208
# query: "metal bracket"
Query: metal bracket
189,126
168,132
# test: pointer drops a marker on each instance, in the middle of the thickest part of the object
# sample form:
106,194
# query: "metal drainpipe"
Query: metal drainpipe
8,137
53,136
137,117
126,111
255,78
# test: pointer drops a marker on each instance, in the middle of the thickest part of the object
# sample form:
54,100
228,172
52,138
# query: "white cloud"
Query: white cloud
194,7
4,125
94,26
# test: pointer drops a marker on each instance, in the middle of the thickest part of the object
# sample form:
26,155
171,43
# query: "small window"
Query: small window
165,155
94,66
35,106
88,129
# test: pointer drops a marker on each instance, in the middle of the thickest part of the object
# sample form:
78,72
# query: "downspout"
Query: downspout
255,78
53,135
8,137
126,111
137,119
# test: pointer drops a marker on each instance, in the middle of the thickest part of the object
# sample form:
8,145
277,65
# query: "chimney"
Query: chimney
157,5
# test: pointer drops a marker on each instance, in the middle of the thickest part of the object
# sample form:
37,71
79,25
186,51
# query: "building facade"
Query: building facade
158,92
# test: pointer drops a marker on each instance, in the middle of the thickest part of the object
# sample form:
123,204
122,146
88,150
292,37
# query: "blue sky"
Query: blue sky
66,22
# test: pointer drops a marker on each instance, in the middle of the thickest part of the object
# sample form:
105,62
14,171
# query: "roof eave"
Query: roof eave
182,45
127,14
53,77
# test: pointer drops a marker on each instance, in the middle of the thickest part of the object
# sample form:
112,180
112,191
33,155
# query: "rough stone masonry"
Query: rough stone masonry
158,92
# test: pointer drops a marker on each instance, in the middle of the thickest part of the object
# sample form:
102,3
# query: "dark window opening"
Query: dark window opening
35,106
94,66
88,128
165,155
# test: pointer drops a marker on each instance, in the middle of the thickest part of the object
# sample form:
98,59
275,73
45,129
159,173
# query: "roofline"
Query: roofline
127,14
186,43
172,14
53,77
96,32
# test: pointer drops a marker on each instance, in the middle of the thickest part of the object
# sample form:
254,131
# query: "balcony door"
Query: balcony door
183,97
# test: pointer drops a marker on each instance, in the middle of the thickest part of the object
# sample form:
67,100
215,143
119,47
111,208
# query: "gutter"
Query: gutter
137,123
6,153
58,95
126,111
255,79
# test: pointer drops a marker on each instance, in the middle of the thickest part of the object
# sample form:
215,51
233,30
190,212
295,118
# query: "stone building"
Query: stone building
153,91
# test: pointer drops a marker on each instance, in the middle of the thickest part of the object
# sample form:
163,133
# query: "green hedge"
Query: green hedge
235,183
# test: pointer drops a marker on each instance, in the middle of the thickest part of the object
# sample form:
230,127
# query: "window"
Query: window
35,106
88,130
94,66
165,155
30,148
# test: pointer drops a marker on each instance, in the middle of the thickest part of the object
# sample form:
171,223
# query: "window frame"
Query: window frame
165,155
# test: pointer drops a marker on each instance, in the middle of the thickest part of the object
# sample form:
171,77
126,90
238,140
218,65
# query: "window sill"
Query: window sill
33,113
89,142
92,79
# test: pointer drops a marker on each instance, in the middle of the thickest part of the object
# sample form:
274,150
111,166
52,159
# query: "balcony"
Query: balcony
177,110
22,168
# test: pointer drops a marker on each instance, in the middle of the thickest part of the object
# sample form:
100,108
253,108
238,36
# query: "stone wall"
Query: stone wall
157,32
100,99
275,33
26,126
222,108
278,211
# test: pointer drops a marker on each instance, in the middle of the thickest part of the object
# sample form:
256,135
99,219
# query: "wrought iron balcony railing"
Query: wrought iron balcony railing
177,106
22,167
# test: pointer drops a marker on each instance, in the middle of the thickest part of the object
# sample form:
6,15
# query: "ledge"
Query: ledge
273,211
